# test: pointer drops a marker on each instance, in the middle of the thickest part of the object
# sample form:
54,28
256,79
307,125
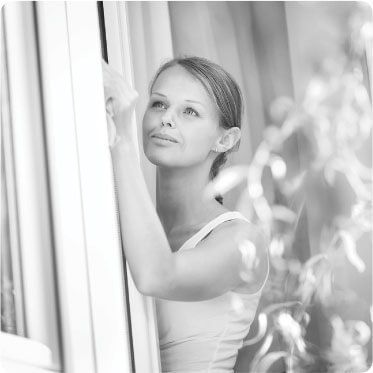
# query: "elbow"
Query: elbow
145,287
157,285
156,279
142,283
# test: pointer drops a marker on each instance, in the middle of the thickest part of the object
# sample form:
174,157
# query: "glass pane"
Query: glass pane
11,292
8,317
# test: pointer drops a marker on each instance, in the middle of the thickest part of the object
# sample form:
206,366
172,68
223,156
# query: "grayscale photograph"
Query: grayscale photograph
186,187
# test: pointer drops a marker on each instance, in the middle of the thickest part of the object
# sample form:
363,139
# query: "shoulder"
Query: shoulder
238,229
253,244
249,238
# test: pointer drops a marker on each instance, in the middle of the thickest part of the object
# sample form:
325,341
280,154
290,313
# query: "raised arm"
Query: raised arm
213,268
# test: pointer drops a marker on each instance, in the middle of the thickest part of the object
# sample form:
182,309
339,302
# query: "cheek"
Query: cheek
147,122
202,141
146,129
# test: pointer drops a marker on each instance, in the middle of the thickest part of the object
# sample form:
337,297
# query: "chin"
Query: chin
160,157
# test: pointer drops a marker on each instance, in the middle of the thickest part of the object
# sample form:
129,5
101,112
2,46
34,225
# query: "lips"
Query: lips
164,136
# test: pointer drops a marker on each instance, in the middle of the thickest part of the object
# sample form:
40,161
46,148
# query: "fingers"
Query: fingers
113,137
120,97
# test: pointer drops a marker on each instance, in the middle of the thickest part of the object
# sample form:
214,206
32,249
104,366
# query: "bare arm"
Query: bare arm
215,266
147,250
209,270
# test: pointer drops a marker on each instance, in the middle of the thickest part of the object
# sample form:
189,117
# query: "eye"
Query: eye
158,105
191,111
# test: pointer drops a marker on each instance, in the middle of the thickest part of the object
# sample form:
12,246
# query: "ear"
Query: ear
228,140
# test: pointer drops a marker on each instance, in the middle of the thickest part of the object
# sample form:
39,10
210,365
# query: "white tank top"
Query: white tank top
204,336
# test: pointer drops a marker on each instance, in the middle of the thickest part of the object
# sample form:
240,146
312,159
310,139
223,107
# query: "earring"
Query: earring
215,149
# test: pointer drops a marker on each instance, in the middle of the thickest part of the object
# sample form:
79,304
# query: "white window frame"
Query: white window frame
25,145
111,335
90,278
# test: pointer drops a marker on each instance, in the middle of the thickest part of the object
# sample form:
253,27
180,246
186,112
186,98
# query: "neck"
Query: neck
180,200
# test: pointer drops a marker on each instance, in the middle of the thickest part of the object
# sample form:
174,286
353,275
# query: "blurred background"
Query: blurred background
305,73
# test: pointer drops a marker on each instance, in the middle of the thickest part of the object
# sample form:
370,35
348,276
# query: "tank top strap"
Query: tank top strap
197,237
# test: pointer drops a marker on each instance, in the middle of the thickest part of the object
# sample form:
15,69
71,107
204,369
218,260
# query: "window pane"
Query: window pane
12,313
8,316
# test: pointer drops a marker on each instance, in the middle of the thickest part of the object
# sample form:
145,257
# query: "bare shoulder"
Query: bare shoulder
240,229
253,244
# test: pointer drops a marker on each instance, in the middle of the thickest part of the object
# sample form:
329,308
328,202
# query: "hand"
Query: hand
120,101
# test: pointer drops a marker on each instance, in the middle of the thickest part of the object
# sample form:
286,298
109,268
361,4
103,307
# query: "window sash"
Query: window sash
92,301
104,254
31,236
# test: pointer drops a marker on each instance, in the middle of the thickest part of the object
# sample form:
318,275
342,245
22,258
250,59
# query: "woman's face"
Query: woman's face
181,110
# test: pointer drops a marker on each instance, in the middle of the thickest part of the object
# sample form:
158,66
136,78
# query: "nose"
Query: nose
167,120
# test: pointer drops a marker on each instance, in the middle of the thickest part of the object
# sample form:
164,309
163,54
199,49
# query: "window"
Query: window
70,271
29,315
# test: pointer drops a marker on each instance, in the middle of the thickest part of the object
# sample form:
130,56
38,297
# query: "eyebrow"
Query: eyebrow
157,93
196,102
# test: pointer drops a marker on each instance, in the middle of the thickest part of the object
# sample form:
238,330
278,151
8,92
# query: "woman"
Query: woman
205,265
